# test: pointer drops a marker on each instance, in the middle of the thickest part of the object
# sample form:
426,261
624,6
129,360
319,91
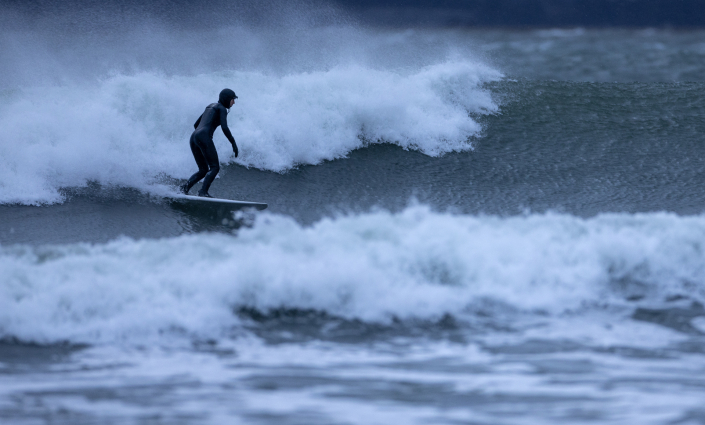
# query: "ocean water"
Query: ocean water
464,226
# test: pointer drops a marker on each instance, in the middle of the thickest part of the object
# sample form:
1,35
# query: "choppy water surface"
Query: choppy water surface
476,227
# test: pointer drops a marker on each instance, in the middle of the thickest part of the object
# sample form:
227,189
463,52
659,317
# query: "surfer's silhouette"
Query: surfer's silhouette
202,147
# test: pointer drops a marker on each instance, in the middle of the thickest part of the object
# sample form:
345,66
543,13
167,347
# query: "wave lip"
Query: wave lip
311,117
374,267
129,129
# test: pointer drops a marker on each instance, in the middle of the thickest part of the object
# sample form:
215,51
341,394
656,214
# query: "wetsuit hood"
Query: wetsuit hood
225,97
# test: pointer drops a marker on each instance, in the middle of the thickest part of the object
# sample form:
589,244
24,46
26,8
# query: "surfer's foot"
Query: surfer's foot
184,188
204,195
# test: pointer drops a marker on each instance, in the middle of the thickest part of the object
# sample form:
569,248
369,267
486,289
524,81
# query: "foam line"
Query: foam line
375,266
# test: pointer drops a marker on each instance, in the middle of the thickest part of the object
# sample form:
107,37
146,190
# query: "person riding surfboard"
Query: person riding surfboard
202,147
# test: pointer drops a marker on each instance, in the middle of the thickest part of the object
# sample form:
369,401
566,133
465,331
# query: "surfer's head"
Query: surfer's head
227,98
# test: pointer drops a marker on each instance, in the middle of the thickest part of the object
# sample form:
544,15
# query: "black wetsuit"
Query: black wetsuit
202,147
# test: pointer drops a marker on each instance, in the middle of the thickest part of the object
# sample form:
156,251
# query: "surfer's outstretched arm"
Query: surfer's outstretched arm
226,130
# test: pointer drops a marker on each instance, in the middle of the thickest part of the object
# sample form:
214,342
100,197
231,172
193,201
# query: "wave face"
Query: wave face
127,130
116,105
374,267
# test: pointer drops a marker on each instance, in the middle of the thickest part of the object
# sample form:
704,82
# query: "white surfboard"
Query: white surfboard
228,203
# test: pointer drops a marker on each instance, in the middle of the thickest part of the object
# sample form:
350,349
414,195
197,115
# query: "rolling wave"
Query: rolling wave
129,130
375,267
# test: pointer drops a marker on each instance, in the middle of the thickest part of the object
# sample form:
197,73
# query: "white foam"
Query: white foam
129,129
375,266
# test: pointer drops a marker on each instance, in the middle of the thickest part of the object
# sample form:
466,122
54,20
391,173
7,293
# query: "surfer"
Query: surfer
202,147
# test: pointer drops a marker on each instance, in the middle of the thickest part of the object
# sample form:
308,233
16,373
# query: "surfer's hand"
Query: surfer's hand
235,149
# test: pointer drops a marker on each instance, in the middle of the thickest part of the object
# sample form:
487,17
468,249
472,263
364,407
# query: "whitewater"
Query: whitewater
464,226
370,318
126,130
377,267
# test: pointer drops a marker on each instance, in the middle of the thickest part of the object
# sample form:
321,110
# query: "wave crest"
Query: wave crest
128,129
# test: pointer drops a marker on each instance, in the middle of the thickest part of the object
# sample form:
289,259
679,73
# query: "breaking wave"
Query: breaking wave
131,130
375,267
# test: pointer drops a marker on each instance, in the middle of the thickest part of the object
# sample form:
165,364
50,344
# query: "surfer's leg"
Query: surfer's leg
202,165
211,156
